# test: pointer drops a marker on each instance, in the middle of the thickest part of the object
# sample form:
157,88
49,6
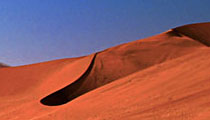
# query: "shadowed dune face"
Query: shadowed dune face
66,94
199,32
163,77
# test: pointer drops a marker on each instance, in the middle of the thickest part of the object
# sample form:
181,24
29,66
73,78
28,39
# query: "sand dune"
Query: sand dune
3,65
165,76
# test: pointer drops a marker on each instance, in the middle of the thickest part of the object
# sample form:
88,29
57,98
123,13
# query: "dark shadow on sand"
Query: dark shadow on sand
69,92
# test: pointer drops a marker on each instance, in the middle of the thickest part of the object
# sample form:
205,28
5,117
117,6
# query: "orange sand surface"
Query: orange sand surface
163,77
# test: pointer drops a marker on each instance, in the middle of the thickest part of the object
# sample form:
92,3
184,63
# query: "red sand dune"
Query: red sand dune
164,77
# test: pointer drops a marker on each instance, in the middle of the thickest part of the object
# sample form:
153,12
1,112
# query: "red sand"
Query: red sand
164,77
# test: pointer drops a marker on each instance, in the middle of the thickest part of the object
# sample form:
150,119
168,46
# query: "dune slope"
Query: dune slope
161,77
175,90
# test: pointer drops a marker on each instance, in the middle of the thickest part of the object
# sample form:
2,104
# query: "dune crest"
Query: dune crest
165,76
199,32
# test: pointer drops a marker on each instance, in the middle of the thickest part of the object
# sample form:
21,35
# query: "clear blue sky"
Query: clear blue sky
33,31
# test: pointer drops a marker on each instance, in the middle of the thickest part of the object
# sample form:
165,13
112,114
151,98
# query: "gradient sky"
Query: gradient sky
33,31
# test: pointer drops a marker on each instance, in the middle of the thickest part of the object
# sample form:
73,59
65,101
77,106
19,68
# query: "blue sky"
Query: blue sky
33,31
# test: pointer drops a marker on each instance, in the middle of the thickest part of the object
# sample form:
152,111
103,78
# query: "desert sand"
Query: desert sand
163,77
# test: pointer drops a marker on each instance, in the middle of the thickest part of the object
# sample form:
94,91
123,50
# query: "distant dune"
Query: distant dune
163,77
3,65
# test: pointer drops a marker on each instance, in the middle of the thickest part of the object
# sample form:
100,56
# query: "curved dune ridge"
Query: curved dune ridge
163,77
199,32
